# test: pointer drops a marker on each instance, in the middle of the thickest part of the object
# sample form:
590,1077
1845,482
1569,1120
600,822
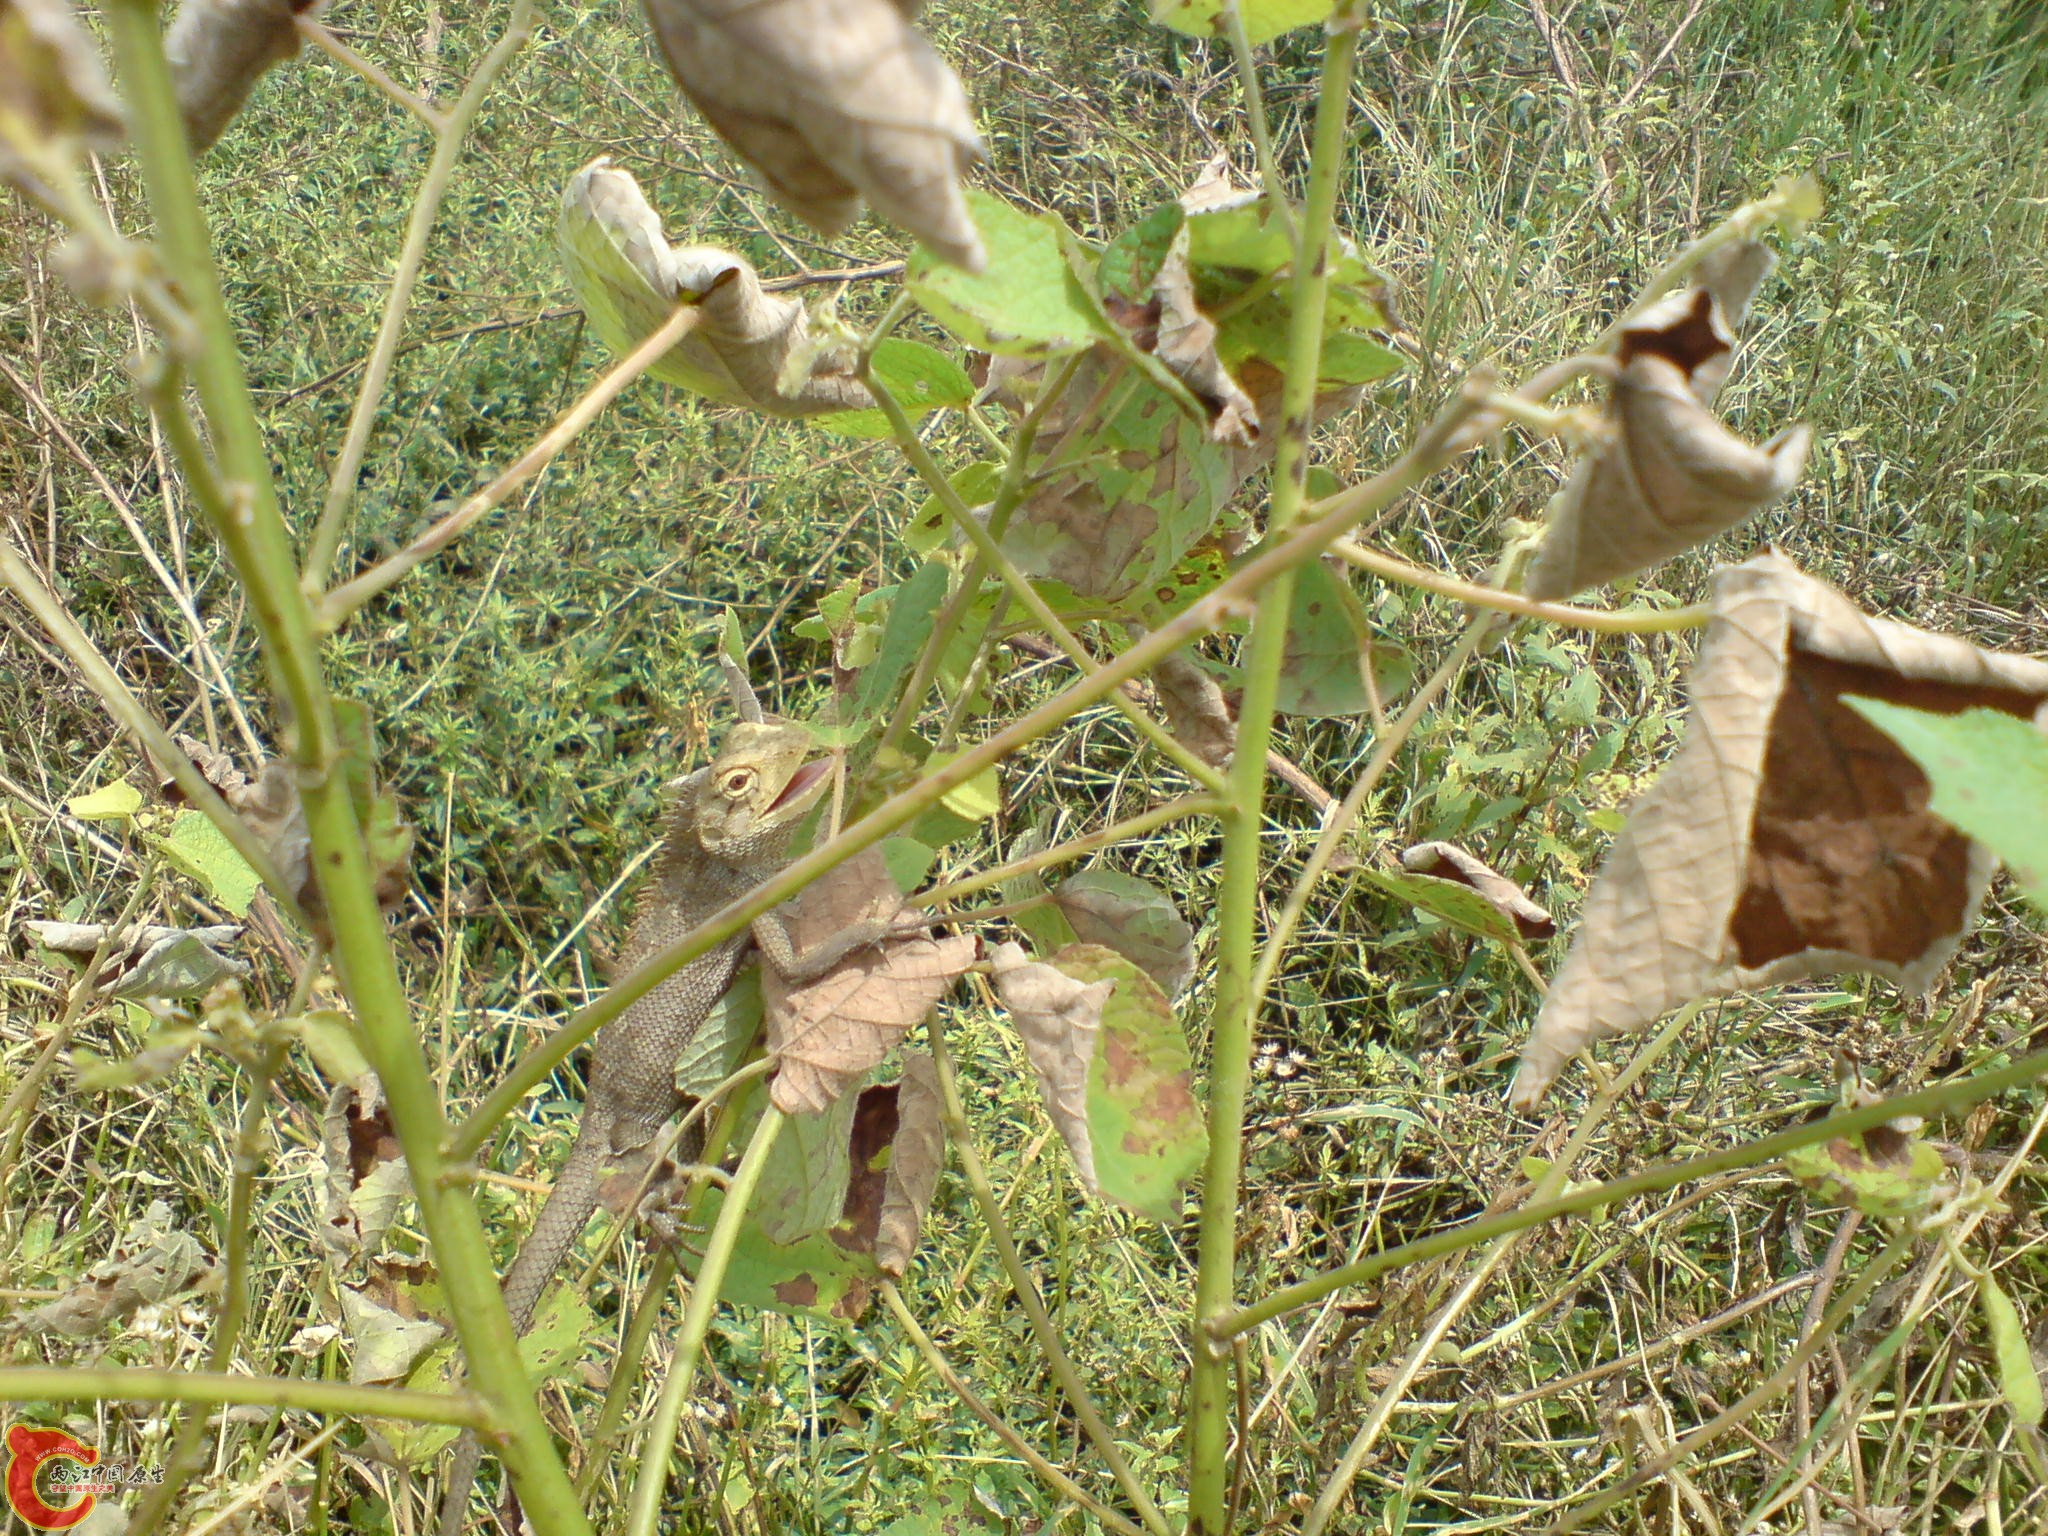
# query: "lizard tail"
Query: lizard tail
569,1206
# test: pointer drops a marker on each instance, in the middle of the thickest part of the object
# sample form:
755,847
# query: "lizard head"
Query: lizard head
757,789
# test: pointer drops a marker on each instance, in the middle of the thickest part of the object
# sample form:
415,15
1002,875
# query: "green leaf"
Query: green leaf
330,1039
719,1046
908,860
1990,776
1134,918
1029,303
931,528
1322,669
116,801
2018,1379
962,810
1131,264
904,633
196,847
952,1509
1883,1172
803,1185
1452,900
1264,20
1144,1123
923,379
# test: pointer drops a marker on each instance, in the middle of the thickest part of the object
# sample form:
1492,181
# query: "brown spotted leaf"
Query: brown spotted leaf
1668,474
153,1261
367,1175
1194,708
832,101
752,347
1447,861
827,1033
1789,838
219,49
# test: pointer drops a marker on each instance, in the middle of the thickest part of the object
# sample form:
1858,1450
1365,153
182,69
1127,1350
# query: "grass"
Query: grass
535,687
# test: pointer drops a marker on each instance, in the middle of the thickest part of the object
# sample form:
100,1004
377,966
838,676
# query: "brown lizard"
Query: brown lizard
729,830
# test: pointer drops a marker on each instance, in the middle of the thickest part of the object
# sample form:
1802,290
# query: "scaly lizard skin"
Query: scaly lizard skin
728,831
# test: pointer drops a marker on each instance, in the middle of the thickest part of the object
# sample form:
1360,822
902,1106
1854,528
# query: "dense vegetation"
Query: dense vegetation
1517,174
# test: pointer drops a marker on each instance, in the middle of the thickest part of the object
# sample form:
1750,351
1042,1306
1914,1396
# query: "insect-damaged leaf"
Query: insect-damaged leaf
1881,1172
145,960
1134,918
1789,837
827,1033
1990,778
751,348
1669,474
1114,1069
153,1261
832,101
865,1211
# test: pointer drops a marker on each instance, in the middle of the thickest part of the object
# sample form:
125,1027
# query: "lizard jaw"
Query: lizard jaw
803,785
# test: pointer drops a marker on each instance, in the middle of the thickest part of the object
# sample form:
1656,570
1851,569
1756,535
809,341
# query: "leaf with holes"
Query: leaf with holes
1789,837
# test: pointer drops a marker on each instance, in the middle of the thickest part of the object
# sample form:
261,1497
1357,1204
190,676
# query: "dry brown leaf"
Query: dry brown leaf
1194,707
752,347
1447,861
824,1034
53,88
898,1147
219,49
1789,837
1669,475
217,768
153,1261
832,101
146,960
367,1175
1059,1019
1185,341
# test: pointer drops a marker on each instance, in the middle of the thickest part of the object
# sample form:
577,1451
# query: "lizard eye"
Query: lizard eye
737,782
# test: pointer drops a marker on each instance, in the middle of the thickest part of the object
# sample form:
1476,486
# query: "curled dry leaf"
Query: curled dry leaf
1669,475
909,1175
145,960
1789,837
832,101
1447,861
367,1177
219,49
751,348
53,89
826,1033
1195,710
153,1262
385,1343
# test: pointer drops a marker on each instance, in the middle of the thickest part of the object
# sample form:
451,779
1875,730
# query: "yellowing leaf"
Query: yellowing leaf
1264,20
200,849
110,802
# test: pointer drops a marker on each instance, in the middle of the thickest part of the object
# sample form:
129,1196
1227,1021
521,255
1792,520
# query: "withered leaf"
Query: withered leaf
1789,837
145,960
366,1173
1669,474
1059,1019
824,1034
751,348
386,1344
219,49
1447,861
153,1262
916,1147
1195,710
53,88
832,101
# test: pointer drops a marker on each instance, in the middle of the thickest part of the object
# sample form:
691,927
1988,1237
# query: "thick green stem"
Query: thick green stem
725,1235
259,545
1233,1026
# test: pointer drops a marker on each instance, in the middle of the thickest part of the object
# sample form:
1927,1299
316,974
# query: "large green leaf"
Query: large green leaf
1329,641
923,379
1264,20
1990,776
1456,903
1029,303
904,632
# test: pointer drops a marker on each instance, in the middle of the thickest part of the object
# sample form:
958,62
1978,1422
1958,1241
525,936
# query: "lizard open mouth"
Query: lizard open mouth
802,782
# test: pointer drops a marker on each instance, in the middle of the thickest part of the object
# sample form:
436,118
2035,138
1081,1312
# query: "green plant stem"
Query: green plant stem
345,599
1023,1448
91,1384
449,133
187,1456
990,553
1043,1330
1625,621
259,546
1925,1102
1261,124
1430,452
645,1519
1233,1021
1074,848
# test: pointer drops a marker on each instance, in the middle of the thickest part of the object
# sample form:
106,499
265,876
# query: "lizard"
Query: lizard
729,828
